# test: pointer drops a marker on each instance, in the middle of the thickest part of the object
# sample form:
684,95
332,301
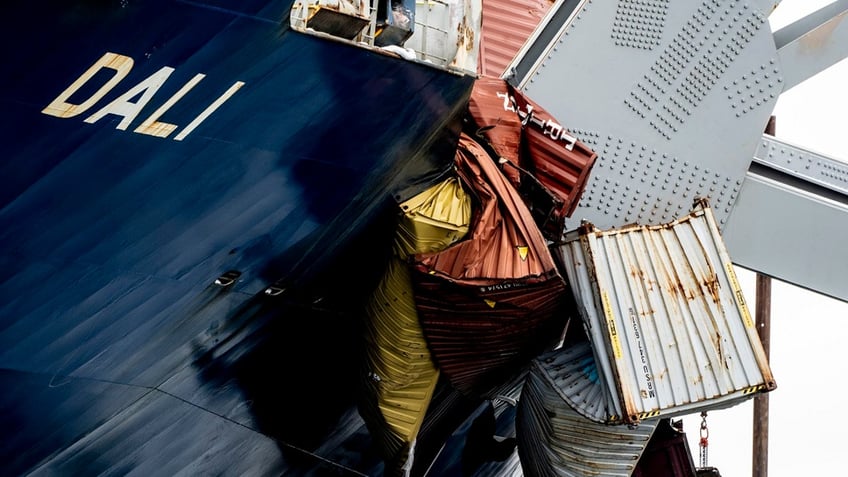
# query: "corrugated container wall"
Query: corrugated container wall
573,373
400,376
548,166
667,318
491,302
555,440
506,26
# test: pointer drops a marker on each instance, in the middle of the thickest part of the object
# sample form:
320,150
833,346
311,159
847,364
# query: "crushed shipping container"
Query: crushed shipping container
667,318
400,376
548,166
489,303
554,439
573,373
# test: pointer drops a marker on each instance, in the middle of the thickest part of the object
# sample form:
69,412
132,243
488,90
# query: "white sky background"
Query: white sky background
807,435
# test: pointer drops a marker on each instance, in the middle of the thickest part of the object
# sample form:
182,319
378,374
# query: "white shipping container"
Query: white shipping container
669,324
554,439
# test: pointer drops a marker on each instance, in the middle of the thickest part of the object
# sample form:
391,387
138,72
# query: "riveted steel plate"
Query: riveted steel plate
673,96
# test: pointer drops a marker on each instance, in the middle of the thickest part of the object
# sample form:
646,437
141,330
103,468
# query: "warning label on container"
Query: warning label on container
740,298
613,333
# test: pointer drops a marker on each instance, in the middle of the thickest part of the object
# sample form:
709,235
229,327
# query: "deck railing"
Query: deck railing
444,33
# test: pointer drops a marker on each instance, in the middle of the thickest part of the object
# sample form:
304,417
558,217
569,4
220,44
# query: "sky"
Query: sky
807,435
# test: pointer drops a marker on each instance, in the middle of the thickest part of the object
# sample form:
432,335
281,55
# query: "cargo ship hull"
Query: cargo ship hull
150,149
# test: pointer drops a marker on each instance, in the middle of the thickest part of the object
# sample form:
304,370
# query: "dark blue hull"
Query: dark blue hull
118,352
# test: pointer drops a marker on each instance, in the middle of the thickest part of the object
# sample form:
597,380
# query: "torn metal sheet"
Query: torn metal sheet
556,440
433,219
573,373
491,302
548,165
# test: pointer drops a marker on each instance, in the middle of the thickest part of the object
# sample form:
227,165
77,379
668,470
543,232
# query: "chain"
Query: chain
705,435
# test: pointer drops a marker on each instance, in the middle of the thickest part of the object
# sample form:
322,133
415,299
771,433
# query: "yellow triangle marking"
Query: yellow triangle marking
491,303
523,251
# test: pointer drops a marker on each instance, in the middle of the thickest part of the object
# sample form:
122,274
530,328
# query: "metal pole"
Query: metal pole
761,401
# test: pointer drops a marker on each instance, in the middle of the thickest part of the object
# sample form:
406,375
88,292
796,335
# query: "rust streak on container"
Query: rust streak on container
712,284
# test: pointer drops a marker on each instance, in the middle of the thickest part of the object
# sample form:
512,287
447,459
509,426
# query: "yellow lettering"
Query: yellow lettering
152,126
208,111
60,107
122,106
130,104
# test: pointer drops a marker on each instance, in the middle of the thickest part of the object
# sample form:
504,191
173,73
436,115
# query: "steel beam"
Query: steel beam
791,218
813,43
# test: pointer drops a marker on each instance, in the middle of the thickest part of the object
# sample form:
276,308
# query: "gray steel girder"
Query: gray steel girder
791,218
813,43
674,97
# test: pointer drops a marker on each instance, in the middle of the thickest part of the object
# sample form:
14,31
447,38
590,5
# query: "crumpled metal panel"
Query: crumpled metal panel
433,219
573,373
489,302
669,324
506,26
500,127
557,159
549,166
400,375
555,440
504,242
